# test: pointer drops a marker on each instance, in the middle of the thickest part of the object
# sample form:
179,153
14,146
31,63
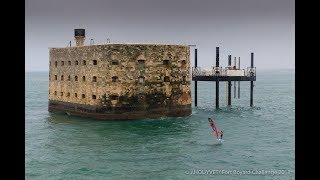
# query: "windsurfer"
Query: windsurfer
221,134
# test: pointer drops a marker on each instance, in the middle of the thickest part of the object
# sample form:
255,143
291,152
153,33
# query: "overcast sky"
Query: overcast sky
238,27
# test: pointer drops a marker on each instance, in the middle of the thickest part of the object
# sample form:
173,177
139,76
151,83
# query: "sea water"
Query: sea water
258,141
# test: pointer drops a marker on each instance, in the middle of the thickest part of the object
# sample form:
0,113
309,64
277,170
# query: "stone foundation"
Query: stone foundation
121,81
112,113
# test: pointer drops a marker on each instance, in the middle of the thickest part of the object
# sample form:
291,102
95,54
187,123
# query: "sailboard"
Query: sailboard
214,128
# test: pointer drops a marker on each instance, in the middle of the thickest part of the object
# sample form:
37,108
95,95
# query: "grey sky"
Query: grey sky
238,27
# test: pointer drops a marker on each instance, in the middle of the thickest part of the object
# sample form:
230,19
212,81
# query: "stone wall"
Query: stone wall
121,77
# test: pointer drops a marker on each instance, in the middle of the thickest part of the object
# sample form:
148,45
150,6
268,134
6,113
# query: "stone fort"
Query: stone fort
120,81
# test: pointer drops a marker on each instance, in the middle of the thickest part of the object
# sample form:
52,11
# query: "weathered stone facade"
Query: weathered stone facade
121,81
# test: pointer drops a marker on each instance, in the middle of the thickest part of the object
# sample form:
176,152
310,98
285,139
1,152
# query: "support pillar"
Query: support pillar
234,82
196,82
239,81
251,84
229,84
229,93
217,82
217,94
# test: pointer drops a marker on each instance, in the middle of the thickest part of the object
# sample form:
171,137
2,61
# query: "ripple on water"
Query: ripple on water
59,146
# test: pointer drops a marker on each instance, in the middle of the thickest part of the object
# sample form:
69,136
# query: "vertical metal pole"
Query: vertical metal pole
229,93
217,82
229,60
196,82
234,82
251,60
226,93
229,83
217,93
217,56
251,84
251,93
239,81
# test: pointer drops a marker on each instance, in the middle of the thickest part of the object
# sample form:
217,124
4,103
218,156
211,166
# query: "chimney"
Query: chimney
79,35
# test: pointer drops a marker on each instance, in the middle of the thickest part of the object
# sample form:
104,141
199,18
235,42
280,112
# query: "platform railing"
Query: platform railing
215,71
218,71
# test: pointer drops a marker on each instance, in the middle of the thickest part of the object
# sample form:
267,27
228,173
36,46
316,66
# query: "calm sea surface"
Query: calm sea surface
258,141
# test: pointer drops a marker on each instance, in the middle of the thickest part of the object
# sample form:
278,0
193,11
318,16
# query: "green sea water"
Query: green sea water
258,141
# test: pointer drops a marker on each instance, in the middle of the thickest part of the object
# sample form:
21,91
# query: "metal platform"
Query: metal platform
228,74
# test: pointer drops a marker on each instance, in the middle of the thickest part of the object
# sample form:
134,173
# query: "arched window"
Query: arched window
166,79
55,92
62,63
55,63
183,63
141,96
114,97
69,78
114,79
94,79
69,63
141,80
68,94
141,63
115,62
166,62
95,62
76,78
75,95
94,97
83,96
84,62
184,78
83,78
77,62
61,77
55,77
